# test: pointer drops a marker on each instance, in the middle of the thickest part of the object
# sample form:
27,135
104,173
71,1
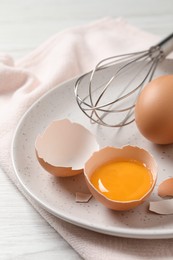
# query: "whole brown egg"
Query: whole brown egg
154,110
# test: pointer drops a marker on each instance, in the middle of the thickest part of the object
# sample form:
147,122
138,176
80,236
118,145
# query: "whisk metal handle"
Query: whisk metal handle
166,45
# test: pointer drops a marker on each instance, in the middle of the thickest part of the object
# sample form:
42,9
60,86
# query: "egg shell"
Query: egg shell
58,171
109,154
83,197
64,147
154,110
163,207
166,188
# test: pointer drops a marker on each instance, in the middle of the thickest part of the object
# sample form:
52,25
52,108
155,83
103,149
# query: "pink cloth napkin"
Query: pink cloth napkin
63,56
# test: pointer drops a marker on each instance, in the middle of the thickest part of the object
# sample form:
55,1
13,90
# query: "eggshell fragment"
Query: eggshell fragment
166,188
83,197
64,147
108,154
163,207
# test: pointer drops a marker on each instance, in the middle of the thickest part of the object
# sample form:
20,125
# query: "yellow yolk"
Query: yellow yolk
122,180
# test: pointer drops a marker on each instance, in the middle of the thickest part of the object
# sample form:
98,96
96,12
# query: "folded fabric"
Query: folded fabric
62,57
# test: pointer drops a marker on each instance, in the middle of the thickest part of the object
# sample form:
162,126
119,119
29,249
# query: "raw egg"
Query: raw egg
64,147
133,179
154,110
121,178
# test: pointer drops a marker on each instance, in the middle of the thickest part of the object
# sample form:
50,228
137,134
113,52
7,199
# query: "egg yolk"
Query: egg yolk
122,180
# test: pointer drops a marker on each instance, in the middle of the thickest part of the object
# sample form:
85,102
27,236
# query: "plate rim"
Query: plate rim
120,232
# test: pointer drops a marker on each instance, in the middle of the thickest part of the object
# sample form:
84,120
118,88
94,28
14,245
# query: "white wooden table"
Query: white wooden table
24,24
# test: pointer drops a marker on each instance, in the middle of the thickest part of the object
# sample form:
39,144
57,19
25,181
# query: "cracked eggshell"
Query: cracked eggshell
163,207
108,154
166,188
64,147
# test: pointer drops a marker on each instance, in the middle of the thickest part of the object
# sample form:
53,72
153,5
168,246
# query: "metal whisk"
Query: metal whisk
108,93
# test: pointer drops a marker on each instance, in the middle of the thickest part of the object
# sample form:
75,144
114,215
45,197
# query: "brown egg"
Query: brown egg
154,110
112,154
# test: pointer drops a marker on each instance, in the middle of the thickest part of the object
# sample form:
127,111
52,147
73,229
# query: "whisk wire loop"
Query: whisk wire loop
100,100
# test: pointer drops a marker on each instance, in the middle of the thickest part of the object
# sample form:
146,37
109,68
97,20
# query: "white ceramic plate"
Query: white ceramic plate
57,195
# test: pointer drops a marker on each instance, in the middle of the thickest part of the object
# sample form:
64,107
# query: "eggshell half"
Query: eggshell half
64,147
111,153
166,188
